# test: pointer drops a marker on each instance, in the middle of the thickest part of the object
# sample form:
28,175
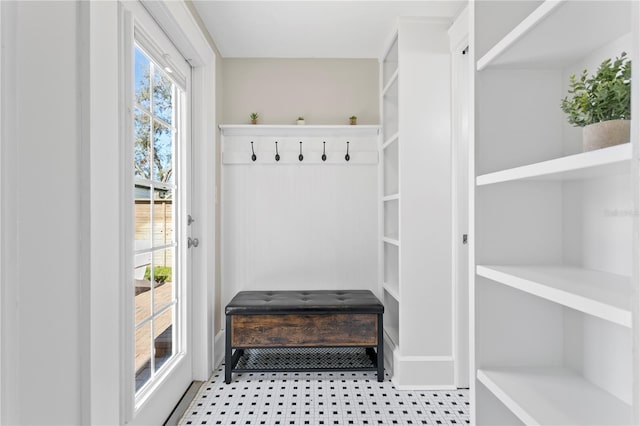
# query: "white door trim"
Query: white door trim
182,28
459,39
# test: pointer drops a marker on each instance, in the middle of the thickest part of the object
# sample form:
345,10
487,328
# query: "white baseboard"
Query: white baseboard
389,348
218,349
423,372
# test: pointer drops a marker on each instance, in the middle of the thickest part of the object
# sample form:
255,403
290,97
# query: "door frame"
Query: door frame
108,396
461,66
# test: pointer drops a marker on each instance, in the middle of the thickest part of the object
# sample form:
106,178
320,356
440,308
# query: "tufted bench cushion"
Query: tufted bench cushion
319,318
292,302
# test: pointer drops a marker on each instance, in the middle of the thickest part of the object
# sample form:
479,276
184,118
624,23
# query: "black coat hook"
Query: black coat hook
324,154
300,157
347,157
277,155
253,153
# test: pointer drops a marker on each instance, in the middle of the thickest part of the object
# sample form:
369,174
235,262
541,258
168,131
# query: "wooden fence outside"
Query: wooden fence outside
159,231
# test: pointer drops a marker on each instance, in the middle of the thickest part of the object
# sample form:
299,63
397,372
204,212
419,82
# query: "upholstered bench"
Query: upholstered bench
304,319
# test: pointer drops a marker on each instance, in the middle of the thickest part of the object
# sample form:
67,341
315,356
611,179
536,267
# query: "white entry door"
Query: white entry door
160,364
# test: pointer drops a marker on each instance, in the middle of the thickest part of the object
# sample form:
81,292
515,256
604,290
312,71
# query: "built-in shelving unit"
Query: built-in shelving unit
390,210
542,39
602,162
597,293
414,204
554,229
554,396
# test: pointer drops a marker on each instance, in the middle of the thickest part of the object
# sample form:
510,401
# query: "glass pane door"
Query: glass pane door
156,191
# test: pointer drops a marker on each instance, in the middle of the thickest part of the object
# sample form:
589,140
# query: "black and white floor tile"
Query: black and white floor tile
327,398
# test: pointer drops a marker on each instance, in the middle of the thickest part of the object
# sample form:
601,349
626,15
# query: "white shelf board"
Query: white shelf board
392,241
299,130
391,140
391,197
392,79
391,291
554,396
558,33
601,294
607,161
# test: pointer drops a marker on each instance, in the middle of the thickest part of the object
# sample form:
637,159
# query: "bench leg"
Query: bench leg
380,349
228,359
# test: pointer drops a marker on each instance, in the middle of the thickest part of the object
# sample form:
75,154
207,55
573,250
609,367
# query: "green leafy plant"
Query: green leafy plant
606,95
253,116
161,274
353,117
300,118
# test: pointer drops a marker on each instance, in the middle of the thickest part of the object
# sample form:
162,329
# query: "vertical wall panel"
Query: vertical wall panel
299,226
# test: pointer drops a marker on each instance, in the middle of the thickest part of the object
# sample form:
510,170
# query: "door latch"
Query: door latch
192,242
190,219
465,238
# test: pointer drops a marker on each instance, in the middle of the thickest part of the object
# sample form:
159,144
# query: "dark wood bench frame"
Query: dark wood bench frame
318,327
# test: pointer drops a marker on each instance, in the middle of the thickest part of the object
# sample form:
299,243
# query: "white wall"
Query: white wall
323,91
299,226
42,257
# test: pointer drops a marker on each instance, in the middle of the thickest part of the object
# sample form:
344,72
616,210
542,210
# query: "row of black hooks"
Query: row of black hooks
347,157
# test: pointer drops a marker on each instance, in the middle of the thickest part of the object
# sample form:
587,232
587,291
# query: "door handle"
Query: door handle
192,242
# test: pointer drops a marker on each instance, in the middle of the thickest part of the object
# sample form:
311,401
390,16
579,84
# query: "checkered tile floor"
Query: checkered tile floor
337,398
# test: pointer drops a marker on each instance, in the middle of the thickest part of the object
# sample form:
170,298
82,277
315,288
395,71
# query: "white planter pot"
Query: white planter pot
605,133
300,121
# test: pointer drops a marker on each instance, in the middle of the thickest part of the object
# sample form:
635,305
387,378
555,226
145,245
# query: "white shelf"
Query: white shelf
546,39
391,291
391,197
601,294
391,140
392,80
391,241
299,130
554,396
606,161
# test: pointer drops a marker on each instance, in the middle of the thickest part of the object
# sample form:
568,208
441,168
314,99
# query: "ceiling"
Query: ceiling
310,29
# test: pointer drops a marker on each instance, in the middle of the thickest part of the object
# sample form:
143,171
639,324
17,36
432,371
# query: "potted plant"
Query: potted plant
300,120
601,104
353,120
254,117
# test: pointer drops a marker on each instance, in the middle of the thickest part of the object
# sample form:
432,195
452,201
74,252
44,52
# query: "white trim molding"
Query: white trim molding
414,371
106,229
219,346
